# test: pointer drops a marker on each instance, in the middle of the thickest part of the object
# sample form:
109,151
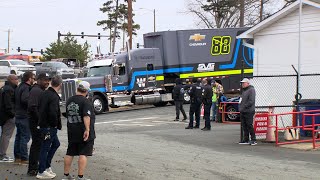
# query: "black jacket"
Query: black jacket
248,100
7,109
49,109
21,99
33,103
195,93
207,94
178,92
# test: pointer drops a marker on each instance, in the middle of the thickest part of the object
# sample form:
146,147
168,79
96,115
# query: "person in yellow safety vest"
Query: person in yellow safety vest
214,102
217,93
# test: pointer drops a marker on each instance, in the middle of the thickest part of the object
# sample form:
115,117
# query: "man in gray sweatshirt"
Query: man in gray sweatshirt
247,111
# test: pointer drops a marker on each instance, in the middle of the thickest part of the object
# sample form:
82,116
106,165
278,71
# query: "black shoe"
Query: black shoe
196,127
206,129
189,127
176,120
184,119
244,143
32,173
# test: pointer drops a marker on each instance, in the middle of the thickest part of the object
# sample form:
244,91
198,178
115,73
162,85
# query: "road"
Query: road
147,144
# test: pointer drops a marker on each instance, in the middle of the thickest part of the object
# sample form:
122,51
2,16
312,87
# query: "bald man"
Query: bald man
7,113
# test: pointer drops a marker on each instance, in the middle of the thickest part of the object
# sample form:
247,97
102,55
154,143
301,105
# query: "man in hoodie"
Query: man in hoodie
178,97
247,111
21,117
7,112
49,123
36,91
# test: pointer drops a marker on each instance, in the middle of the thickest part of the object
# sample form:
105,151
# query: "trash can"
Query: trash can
308,105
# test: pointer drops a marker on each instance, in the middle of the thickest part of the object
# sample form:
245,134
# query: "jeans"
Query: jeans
195,108
179,107
246,119
6,134
214,110
35,146
22,138
207,108
48,148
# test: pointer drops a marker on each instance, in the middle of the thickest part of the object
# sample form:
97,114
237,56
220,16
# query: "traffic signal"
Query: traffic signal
98,35
19,49
31,50
41,51
138,45
82,33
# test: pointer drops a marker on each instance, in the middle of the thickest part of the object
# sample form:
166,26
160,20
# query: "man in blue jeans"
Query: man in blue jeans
50,123
21,119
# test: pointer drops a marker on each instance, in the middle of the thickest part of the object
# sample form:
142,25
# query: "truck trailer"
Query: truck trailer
147,75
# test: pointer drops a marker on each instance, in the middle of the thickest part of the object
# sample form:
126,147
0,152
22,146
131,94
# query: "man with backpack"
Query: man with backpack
7,113
178,97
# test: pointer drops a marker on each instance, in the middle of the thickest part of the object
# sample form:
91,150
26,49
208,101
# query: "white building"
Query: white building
276,47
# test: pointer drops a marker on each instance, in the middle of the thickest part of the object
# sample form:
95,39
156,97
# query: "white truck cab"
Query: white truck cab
15,66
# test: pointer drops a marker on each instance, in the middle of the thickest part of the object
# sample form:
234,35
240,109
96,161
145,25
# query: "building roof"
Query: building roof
277,16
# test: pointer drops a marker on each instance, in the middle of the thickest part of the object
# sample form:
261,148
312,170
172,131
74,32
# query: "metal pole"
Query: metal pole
299,55
241,89
130,22
8,41
154,20
261,10
241,13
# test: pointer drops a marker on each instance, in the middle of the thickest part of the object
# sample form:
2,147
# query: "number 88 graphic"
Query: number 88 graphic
220,45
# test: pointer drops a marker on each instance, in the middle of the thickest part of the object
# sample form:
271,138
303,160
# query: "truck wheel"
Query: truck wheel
160,104
186,98
98,104
13,72
232,117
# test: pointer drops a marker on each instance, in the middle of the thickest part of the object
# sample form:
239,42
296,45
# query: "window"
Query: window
122,69
150,67
4,63
18,63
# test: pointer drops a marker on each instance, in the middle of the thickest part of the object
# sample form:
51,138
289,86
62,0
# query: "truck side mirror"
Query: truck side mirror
116,70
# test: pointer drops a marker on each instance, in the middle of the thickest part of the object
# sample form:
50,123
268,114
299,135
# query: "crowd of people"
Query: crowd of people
208,93
33,109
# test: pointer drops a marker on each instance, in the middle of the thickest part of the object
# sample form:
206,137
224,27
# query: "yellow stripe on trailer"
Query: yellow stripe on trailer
216,73
160,78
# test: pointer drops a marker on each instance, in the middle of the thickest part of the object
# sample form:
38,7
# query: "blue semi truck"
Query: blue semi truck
147,75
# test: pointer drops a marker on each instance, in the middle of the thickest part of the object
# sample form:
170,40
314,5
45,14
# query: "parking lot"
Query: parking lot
147,144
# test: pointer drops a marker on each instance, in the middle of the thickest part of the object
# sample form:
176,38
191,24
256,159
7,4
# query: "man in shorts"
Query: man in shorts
81,134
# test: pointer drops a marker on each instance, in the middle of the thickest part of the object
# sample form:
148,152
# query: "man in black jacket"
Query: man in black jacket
36,91
195,93
178,97
207,102
21,118
50,123
7,113
247,111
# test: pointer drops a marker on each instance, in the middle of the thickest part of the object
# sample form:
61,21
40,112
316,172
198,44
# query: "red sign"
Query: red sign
261,125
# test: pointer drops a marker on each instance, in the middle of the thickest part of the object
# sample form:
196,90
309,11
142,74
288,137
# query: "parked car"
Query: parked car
37,65
15,66
232,107
56,68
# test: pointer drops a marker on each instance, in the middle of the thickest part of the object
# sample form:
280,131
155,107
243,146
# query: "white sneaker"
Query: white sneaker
49,170
45,175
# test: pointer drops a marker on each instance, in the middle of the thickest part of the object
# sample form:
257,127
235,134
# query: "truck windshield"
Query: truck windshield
99,71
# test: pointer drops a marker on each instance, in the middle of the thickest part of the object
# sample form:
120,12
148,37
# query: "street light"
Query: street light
154,17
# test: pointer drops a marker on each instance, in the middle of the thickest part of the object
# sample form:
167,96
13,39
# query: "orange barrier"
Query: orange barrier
222,110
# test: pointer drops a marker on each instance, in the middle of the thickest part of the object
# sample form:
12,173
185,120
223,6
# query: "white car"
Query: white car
15,66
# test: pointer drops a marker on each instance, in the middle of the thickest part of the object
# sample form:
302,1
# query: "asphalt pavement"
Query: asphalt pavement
147,144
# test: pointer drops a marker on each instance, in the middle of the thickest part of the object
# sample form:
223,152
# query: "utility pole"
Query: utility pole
130,23
261,10
241,13
115,27
9,31
154,20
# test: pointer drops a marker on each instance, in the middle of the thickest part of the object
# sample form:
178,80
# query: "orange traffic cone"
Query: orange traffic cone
202,110
270,136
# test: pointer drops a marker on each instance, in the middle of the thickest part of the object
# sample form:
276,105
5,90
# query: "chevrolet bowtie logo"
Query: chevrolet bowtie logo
197,37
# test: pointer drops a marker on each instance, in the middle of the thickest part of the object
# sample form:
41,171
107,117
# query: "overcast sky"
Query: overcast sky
35,23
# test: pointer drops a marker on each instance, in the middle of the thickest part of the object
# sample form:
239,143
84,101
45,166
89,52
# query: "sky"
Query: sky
35,23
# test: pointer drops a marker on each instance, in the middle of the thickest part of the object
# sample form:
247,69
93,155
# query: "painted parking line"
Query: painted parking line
126,120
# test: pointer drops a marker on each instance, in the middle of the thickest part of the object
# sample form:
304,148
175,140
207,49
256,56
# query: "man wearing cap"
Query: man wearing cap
247,111
33,102
81,134
49,123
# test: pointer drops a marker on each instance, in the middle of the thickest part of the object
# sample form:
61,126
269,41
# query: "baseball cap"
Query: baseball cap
43,76
245,80
84,85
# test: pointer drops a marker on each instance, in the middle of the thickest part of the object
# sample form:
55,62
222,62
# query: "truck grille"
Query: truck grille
68,89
